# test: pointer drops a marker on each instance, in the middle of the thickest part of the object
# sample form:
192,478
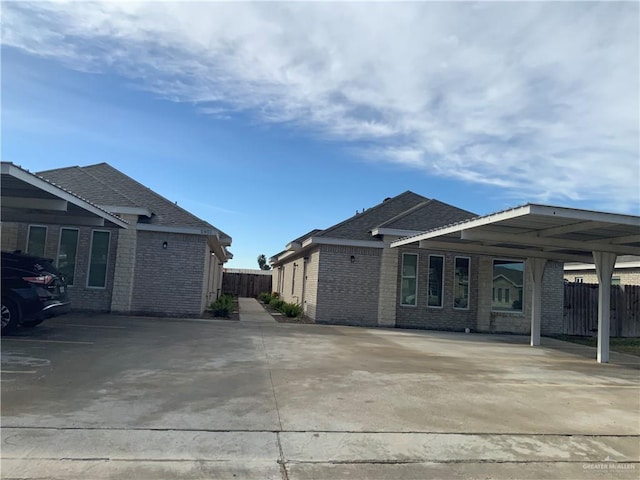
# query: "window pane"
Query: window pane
409,288
436,267
67,253
461,283
508,277
98,260
37,240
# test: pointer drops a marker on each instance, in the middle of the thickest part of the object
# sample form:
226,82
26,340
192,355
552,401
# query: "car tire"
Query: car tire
9,315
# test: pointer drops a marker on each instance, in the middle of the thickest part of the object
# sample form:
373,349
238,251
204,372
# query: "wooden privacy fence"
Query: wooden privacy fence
245,284
581,310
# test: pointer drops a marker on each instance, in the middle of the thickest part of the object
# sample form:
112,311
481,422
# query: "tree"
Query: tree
262,262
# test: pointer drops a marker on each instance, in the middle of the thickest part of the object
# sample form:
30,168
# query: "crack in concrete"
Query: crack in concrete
422,461
281,461
273,388
365,432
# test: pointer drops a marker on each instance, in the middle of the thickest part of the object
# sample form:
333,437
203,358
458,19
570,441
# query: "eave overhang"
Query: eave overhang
29,197
312,242
215,240
537,231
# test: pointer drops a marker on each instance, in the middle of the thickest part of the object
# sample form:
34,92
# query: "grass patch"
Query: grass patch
629,345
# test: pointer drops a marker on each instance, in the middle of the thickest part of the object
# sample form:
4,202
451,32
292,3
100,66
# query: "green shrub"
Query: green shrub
223,306
276,303
291,309
264,297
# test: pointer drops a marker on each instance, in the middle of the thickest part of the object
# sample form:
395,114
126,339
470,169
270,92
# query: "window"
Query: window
409,288
435,280
98,259
615,280
508,281
578,279
461,283
67,253
37,240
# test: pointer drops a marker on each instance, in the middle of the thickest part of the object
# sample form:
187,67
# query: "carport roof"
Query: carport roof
29,197
538,231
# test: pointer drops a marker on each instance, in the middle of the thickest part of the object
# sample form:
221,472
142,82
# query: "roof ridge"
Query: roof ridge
156,194
370,210
61,169
406,212
109,186
82,171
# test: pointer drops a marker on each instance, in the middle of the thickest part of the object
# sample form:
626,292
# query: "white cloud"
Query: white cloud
540,99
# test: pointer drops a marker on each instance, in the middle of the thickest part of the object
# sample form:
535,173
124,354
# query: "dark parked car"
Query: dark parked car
32,290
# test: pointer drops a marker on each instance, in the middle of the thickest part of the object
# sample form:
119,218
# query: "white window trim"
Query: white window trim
75,260
441,280
468,284
106,274
524,286
46,236
415,293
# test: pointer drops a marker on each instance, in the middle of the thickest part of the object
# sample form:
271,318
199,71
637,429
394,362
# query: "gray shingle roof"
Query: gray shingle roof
306,235
104,185
86,185
428,215
407,211
514,276
359,226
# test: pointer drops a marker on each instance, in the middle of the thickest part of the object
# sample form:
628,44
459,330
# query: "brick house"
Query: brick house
626,271
350,274
160,260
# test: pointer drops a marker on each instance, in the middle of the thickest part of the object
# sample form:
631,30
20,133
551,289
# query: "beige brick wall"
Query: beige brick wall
215,278
290,290
438,318
388,287
628,276
480,316
311,285
508,322
291,274
169,282
125,267
9,235
348,291
82,297
485,285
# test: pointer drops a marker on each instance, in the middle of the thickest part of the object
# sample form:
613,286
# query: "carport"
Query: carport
29,198
537,233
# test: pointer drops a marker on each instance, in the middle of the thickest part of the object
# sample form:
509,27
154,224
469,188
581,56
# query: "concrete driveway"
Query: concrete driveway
101,396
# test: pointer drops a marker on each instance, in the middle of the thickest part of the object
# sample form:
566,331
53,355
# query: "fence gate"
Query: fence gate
581,310
245,284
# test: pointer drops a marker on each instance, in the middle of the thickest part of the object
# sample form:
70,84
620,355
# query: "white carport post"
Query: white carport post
605,263
536,269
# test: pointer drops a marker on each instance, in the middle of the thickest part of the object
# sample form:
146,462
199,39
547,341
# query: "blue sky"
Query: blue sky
268,120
